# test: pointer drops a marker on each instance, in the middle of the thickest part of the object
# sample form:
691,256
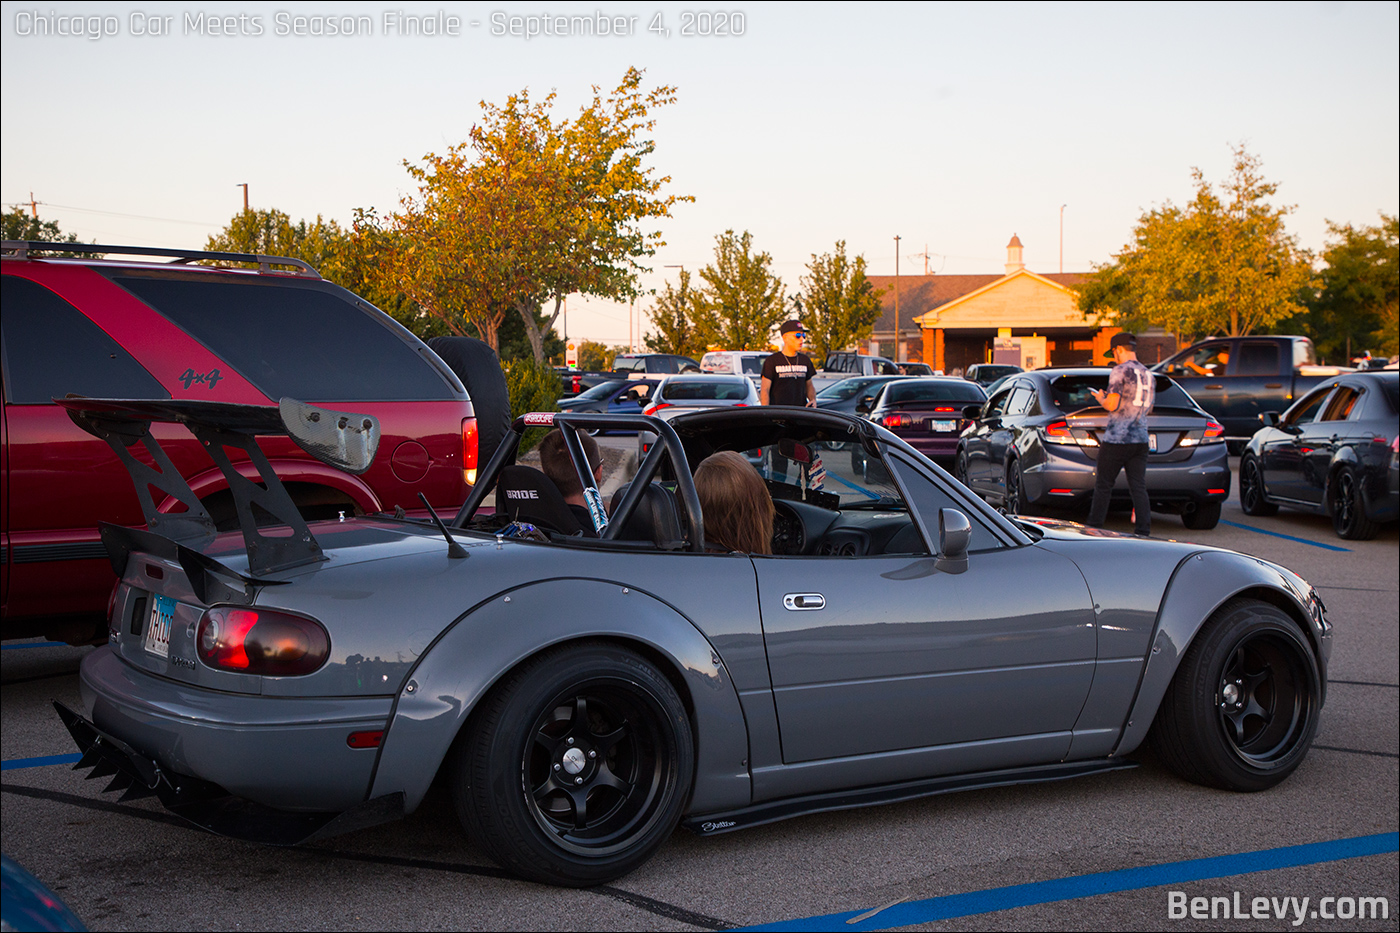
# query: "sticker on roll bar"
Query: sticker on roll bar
539,417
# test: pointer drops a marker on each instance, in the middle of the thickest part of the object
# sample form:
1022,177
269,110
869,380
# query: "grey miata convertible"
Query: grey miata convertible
586,689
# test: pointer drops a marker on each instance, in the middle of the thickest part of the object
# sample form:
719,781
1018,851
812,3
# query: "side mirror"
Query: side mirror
1269,418
954,534
972,412
863,406
798,453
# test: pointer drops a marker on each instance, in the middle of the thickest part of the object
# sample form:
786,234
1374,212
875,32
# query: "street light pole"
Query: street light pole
1062,237
896,299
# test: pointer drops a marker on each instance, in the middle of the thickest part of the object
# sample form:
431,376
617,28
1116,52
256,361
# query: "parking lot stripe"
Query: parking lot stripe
15,764
35,644
1277,534
1128,879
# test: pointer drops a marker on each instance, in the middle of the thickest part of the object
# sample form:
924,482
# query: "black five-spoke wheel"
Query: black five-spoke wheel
1349,518
1252,501
578,767
1242,710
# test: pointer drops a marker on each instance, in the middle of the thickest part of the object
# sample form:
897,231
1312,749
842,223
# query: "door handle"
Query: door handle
1273,385
801,602
1214,385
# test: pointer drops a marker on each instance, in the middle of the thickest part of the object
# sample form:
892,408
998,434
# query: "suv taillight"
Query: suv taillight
470,450
261,641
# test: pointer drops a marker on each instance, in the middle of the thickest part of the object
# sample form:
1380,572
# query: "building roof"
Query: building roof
919,294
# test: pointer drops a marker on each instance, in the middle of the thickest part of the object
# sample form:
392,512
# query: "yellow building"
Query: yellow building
954,321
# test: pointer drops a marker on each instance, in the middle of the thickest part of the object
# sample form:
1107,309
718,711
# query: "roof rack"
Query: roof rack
20,249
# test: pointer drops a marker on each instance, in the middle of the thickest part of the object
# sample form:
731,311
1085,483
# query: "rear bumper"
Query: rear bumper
1066,476
282,752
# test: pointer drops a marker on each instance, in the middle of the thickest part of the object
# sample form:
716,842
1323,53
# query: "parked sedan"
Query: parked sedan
845,395
677,395
614,397
1334,451
1036,441
927,413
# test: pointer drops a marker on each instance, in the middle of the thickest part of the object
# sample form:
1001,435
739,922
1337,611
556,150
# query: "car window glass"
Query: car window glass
720,390
947,390
1304,354
1306,410
1258,359
1342,404
1019,401
753,365
886,368
52,349
996,404
928,497
297,339
602,390
1208,360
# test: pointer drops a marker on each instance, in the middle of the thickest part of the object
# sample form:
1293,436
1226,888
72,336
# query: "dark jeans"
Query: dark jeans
1133,459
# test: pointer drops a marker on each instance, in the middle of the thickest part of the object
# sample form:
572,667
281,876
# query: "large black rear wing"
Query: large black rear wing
345,441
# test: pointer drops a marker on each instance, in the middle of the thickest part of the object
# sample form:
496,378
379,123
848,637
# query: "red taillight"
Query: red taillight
1215,429
470,450
261,641
1059,430
896,421
657,407
577,385
943,408
368,739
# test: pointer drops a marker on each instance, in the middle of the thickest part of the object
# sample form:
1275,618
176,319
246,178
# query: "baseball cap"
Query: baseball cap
790,326
1120,340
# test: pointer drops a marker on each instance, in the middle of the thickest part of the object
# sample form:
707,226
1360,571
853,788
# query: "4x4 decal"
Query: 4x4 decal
189,377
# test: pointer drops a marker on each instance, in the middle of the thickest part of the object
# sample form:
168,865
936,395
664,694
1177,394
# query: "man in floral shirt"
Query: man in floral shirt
1123,446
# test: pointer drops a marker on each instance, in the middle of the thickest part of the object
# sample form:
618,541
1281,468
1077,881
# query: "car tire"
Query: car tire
961,469
1016,502
1348,509
1242,709
1252,501
528,787
476,364
1204,517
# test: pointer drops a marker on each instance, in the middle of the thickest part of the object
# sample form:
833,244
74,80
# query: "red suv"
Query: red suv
168,329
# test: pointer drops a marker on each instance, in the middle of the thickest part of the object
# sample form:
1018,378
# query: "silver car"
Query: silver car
582,696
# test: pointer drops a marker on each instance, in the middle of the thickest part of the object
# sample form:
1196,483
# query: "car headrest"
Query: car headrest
525,494
656,518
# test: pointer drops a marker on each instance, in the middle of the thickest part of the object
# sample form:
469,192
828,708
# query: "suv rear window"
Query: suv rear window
298,339
52,349
716,389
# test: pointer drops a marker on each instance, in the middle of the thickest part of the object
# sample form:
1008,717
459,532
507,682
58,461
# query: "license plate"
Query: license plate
1152,443
942,425
158,628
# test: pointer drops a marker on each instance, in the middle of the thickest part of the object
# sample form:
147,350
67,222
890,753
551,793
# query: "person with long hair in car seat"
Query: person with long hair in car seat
736,505
556,463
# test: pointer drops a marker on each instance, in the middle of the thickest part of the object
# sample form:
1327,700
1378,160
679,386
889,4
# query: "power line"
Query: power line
88,210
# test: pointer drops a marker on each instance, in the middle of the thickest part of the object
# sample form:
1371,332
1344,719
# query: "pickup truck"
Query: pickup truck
625,366
845,364
1236,379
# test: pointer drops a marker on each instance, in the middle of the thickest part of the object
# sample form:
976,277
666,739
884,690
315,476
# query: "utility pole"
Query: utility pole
896,299
33,206
244,186
1062,237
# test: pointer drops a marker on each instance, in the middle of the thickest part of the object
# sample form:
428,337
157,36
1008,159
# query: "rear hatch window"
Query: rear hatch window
707,390
908,392
1071,393
289,338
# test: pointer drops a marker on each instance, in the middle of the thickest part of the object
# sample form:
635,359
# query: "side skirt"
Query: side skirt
710,824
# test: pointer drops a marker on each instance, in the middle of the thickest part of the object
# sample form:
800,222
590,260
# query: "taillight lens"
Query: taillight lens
657,407
261,641
896,421
1058,432
470,450
1215,433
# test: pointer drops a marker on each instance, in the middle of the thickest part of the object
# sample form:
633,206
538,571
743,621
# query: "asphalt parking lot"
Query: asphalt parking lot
1136,849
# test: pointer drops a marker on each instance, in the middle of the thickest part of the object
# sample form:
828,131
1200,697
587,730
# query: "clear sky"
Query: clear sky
951,125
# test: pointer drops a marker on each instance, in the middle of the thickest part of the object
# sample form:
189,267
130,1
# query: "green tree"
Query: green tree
530,210
595,356
1358,305
674,315
1222,264
838,304
742,300
21,226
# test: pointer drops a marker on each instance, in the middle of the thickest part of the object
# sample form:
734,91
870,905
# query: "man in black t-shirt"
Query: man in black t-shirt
787,374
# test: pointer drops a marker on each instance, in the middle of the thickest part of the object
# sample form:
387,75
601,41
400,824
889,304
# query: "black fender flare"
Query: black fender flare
461,666
1201,584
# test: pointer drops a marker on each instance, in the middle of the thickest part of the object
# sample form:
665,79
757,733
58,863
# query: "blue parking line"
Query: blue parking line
15,764
35,644
1109,882
1276,534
